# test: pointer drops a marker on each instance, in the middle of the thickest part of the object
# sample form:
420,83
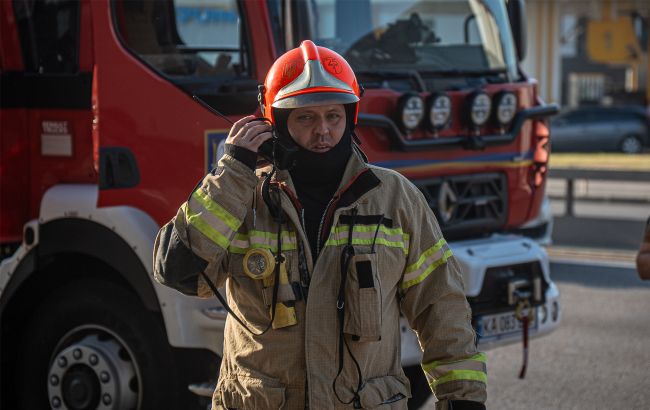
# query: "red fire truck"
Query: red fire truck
101,140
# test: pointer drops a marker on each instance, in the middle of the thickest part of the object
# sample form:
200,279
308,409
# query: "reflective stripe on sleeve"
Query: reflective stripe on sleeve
472,369
365,235
201,197
428,261
197,221
261,239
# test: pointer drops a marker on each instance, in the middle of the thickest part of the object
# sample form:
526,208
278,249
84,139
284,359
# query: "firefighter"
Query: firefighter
320,253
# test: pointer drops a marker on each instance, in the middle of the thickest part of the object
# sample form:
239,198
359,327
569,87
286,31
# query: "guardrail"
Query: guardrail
570,175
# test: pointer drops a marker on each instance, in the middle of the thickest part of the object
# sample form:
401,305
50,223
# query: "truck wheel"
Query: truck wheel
92,345
419,387
631,144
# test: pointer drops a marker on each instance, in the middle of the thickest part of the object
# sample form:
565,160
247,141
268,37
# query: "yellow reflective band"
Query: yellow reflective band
448,253
265,240
463,375
215,209
369,228
478,357
415,266
202,226
365,236
368,241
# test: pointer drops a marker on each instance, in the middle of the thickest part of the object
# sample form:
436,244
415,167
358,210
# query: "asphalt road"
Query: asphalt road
597,359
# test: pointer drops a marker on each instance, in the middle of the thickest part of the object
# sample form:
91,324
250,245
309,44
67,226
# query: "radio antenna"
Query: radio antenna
209,108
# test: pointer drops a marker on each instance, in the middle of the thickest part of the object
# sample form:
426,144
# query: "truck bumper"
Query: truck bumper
476,257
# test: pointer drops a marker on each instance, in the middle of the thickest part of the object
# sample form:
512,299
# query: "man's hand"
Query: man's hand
249,134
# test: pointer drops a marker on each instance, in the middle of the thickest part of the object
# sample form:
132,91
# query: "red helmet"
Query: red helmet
307,76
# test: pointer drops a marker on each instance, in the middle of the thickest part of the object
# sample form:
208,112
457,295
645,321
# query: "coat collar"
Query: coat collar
354,168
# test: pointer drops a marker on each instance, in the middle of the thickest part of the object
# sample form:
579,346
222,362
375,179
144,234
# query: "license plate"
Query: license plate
502,324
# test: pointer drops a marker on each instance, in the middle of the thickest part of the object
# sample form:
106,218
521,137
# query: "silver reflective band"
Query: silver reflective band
313,75
314,99
480,107
506,107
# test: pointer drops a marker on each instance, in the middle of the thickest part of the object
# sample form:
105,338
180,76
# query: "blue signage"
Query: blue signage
214,141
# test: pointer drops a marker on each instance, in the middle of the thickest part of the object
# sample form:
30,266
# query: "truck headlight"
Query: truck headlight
506,103
411,109
439,110
480,106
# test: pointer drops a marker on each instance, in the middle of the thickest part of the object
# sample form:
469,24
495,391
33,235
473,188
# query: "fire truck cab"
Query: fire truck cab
101,141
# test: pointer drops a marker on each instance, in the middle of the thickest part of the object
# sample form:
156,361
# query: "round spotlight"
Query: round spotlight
411,109
506,103
480,106
439,111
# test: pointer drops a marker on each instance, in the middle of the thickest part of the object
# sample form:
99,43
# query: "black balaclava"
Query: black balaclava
316,176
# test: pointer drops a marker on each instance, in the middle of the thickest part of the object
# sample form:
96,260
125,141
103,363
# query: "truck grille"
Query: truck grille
467,205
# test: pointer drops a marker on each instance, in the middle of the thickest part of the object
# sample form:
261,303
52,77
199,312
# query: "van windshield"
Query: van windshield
431,37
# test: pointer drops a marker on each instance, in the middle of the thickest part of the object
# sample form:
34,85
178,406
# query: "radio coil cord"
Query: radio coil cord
346,258
278,259
276,212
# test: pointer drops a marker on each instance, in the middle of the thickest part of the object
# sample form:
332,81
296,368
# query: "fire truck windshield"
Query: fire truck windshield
432,38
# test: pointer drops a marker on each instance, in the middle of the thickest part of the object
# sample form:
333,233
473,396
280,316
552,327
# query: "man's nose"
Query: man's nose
322,127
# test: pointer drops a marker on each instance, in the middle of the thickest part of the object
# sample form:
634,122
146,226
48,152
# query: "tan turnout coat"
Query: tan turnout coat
411,270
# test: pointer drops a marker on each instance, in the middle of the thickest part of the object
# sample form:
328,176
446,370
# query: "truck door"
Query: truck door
151,57
46,118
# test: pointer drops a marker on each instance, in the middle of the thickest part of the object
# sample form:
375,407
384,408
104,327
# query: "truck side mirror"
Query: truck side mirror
517,17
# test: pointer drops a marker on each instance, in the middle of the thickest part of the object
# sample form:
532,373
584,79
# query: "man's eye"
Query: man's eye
305,118
334,116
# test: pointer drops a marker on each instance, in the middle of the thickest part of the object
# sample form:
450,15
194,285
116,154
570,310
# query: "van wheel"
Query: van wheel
631,144
93,345
419,387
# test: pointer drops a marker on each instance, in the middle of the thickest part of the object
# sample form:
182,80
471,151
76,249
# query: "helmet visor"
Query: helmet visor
314,99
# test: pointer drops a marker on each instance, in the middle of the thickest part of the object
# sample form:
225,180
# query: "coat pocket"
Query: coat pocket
248,393
387,392
363,299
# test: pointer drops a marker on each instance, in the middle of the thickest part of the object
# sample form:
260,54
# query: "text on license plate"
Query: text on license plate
501,324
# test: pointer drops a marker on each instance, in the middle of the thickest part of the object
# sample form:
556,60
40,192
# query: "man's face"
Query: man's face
319,128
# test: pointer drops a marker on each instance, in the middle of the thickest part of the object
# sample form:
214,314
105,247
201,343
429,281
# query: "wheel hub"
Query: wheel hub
93,373
81,388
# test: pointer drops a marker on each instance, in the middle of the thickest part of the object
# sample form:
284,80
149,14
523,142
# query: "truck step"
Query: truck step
202,389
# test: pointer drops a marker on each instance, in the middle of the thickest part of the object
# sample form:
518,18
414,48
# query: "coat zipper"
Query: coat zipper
320,226
334,199
301,220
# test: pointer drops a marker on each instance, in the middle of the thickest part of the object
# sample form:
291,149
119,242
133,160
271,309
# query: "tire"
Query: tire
93,342
631,144
419,387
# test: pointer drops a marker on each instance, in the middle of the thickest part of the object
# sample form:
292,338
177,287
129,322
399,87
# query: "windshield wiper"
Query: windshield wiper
388,73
